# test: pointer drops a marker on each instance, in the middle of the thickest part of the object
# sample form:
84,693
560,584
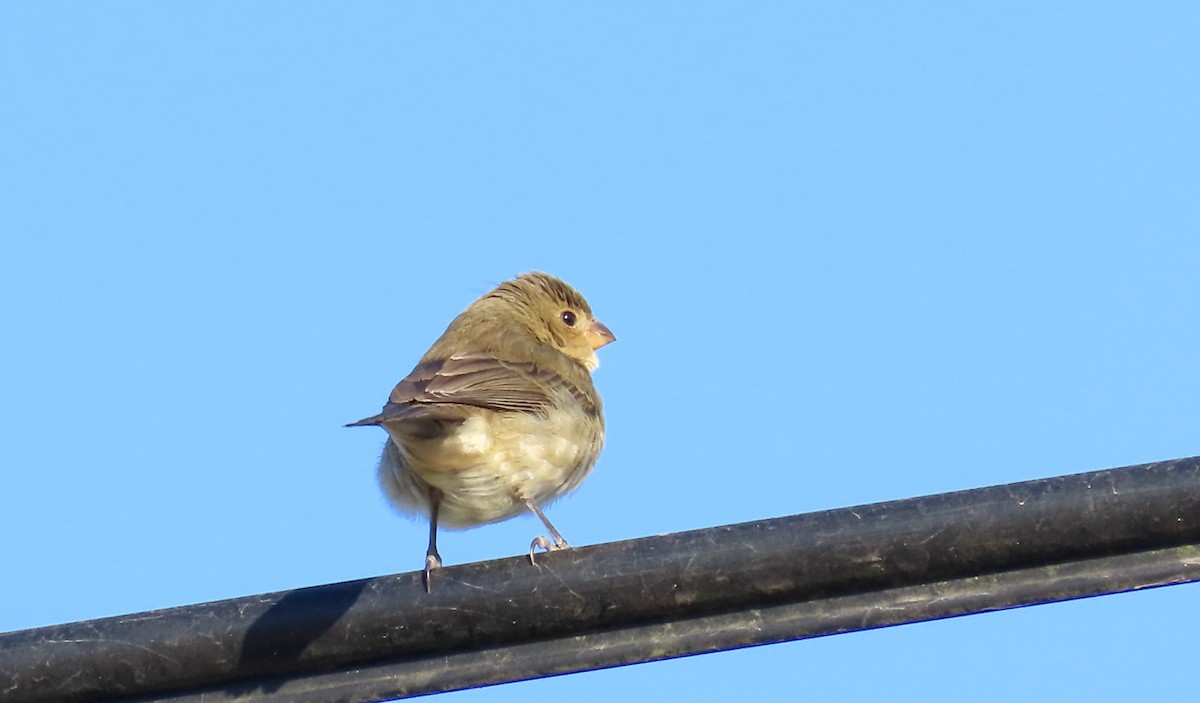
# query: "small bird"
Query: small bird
500,416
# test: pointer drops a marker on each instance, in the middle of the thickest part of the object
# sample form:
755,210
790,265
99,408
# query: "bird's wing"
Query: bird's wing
440,389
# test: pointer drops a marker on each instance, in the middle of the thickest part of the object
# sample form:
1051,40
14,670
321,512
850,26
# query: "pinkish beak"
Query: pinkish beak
598,335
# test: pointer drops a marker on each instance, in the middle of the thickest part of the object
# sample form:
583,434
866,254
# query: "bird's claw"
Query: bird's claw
543,542
432,561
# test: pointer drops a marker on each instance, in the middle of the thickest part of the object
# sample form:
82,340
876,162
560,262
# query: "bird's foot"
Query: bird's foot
432,561
543,542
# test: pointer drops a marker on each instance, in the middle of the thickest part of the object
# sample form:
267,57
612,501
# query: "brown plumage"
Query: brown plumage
500,416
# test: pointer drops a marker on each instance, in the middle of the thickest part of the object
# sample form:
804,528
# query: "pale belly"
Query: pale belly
490,466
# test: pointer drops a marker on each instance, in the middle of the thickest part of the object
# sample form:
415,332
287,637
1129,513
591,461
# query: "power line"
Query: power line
652,598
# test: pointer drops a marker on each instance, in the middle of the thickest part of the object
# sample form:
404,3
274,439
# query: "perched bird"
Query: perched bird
500,416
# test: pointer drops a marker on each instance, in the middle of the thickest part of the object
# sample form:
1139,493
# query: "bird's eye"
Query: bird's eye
568,317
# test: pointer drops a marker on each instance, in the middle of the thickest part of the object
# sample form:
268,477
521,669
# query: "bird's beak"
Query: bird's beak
598,335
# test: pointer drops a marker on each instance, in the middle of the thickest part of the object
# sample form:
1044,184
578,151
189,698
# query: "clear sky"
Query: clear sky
851,253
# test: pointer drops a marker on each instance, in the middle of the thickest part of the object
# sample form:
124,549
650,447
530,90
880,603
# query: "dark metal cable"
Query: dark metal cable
652,598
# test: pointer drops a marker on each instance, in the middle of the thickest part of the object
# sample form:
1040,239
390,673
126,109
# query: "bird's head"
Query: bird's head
556,315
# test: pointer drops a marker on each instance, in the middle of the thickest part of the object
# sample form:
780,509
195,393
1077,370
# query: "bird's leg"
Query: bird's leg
432,559
540,540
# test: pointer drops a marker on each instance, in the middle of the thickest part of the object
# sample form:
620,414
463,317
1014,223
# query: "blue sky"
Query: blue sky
851,253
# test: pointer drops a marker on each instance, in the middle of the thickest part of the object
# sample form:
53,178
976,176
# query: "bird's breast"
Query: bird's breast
492,462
